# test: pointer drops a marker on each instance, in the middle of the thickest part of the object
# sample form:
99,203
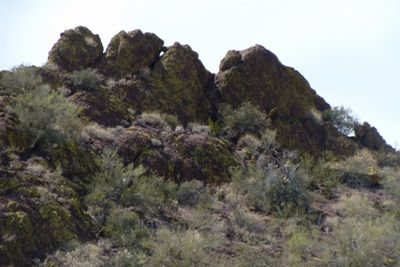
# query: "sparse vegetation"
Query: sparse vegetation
125,184
19,79
44,114
245,119
86,79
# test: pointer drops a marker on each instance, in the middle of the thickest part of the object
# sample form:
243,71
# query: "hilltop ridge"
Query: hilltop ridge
124,152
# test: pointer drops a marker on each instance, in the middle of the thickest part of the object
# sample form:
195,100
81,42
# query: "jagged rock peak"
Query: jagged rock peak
129,52
76,49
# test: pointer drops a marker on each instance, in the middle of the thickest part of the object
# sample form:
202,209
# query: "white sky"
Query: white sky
349,50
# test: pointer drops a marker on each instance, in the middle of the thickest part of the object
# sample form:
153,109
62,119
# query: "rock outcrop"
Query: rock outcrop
181,85
256,75
76,49
369,137
182,156
39,210
132,52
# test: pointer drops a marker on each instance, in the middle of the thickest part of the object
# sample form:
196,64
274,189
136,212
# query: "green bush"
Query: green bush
155,120
86,79
108,183
272,188
80,255
118,184
20,79
342,118
245,119
181,248
149,194
192,193
124,227
46,114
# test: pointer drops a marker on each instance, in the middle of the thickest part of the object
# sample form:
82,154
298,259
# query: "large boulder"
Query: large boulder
76,49
201,157
256,75
129,53
181,85
369,137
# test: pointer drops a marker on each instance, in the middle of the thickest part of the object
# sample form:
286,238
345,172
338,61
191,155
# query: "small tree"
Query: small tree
342,118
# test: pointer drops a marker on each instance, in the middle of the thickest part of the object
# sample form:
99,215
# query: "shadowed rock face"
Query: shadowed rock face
129,53
256,75
369,137
76,49
181,85
182,156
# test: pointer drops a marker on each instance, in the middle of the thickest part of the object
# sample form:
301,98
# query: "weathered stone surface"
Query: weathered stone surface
369,137
76,49
180,156
129,53
256,75
200,157
39,210
181,85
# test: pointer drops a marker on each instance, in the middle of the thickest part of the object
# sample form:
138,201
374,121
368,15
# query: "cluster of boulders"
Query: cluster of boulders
40,188
149,76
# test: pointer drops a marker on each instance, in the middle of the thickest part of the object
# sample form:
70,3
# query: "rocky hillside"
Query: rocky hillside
139,156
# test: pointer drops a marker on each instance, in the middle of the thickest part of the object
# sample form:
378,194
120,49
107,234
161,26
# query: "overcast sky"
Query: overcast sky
349,50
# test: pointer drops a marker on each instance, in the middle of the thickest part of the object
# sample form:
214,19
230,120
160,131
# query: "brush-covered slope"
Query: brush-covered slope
139,156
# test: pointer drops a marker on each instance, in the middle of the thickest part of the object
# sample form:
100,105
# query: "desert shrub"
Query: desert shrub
342,118
181,248
360,236
246,227
124,227
250,143
192,193
149,194
20,79
271,188
172,120
250,255
268,139
108,183
245,119
118,184
389,159
85,79
360,169
97,132
45,114
80,255
153,120
126,258
363,236
391,181
198,128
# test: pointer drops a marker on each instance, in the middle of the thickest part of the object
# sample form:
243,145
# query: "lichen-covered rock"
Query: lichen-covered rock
180,156
256,75
105,107
39,210
181,85
128,53
200,157
369,137
76,49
